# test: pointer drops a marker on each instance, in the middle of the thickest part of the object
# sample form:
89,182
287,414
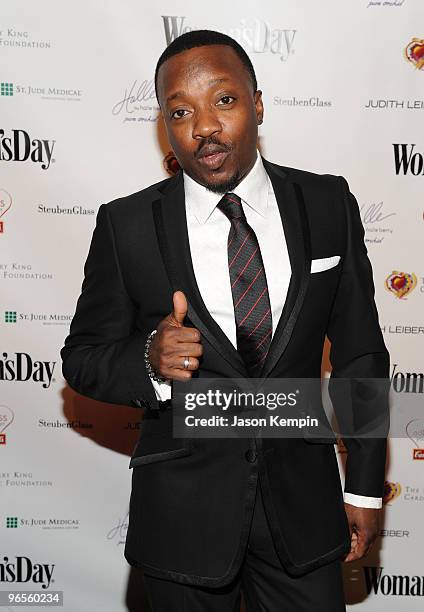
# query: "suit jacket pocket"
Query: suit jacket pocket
161,447
324,263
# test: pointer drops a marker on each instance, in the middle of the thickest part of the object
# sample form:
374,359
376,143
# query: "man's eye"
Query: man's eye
178,114
226,100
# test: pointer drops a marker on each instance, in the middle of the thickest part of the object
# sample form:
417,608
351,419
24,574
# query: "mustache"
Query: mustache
212,145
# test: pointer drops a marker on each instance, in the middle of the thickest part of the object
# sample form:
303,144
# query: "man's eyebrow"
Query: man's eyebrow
218,80
177,94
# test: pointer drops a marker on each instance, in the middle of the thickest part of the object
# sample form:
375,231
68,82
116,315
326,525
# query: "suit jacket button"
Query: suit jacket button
251,455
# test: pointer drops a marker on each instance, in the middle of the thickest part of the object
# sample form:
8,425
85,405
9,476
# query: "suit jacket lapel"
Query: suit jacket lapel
291,204
171,228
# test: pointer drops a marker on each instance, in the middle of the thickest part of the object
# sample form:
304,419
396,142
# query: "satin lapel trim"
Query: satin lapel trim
169,215
292,208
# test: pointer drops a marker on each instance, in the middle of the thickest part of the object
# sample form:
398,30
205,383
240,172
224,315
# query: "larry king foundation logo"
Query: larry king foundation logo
5,204
401,283
414,53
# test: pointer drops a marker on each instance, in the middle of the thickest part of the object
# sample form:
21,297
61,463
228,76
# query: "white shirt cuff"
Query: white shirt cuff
163,390
362,501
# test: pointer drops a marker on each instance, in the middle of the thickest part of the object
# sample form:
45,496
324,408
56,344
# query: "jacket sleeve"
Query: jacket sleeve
358,353
103,355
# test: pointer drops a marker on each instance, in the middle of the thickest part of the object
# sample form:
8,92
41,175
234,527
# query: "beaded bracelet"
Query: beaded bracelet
150,371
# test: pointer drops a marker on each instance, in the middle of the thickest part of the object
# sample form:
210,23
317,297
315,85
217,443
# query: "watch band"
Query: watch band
150,371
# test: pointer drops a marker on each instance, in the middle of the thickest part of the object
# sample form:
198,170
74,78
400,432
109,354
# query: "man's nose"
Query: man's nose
206,124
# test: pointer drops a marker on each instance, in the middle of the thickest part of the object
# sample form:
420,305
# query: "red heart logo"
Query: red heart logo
414,53
401,283
398,282
5,201
417,51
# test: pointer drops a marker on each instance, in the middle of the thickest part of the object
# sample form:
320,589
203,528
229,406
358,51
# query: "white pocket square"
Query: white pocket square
324,263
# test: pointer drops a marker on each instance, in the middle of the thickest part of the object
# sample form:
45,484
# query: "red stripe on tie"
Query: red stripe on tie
263,357
263,339
240,247
244,319
240,273
242,296
256,327
234,201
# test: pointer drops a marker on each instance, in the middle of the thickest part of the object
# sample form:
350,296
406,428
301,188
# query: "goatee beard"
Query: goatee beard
225,186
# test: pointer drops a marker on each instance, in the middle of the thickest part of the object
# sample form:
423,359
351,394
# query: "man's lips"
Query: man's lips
212,157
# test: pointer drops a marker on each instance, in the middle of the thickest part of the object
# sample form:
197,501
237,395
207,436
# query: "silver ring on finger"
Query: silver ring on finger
186,363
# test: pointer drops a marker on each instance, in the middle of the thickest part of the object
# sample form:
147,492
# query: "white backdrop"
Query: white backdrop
343,86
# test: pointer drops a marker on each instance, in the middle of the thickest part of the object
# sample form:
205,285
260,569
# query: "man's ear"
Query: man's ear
259,106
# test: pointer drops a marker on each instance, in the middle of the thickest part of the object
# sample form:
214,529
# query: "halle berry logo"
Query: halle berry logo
20,147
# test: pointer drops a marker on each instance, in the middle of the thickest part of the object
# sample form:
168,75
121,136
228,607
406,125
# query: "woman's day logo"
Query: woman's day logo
401,283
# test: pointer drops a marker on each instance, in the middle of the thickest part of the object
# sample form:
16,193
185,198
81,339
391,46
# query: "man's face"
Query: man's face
211,114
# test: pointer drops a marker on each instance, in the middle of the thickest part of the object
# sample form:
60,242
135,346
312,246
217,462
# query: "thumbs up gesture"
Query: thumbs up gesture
175,349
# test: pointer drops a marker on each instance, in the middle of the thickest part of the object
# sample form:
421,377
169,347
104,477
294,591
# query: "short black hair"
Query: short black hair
203,38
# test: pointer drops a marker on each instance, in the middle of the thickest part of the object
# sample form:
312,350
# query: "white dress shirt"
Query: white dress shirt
208,231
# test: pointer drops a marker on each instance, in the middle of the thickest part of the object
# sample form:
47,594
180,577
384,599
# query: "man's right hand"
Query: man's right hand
173,343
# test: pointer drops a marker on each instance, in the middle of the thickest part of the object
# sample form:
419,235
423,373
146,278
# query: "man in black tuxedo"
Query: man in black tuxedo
234,268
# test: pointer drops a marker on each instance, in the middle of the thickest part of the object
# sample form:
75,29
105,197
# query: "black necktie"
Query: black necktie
252,307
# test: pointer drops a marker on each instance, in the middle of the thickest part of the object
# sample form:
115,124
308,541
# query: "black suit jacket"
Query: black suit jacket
192,500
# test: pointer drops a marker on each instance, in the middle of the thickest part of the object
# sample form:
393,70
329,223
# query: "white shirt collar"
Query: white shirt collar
253,191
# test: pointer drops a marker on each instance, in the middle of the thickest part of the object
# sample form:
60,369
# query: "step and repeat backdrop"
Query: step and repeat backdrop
343,88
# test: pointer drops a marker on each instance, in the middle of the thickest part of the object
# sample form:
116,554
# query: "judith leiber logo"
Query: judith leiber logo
401,283
5,204
414,53
392,490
